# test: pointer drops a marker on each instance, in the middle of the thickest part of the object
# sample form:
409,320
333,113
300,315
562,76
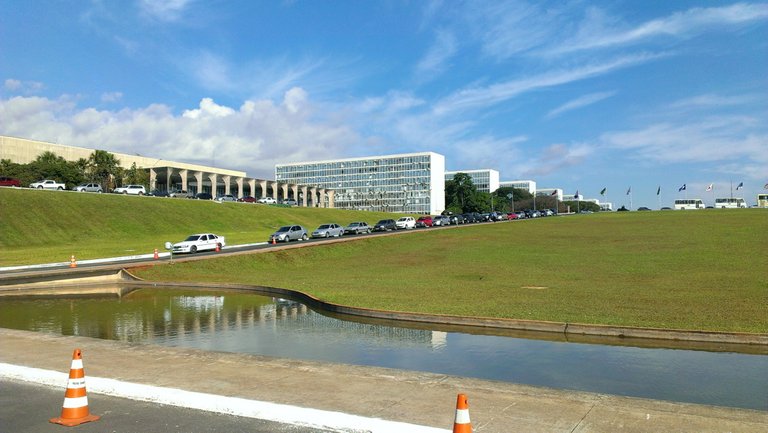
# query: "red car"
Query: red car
512,216
247,199
425,221
10,181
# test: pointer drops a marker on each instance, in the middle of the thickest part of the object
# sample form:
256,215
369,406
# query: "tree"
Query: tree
102,166
461,193
135,176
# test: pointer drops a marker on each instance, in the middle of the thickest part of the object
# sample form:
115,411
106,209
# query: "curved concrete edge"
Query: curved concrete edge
281,413
492,323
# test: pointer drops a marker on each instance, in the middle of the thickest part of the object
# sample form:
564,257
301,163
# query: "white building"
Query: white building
485,180
409,183
528,185
550,192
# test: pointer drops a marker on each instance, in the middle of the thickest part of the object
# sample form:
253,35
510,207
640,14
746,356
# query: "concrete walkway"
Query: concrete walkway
368,395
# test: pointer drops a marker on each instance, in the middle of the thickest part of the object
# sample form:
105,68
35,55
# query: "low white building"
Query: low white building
557,192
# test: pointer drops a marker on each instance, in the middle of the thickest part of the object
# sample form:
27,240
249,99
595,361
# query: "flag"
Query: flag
603,191
629,191
766,186
682,188
576,196
710,187
554,192
741,185
658,191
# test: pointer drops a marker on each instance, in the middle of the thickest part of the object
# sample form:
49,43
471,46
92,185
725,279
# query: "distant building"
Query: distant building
606,206
528,185
550,192
485,180
408,183
166,175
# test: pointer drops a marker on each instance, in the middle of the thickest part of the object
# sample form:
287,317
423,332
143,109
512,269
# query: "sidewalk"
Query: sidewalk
421,399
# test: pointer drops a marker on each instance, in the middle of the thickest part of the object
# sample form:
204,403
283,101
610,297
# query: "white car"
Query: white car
406,223
48,184
267,200
131,189
88,187
199,242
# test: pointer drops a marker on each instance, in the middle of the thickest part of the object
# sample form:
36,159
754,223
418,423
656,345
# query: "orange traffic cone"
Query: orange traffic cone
75,409
157,256
462,424
218,248
274,242
72,262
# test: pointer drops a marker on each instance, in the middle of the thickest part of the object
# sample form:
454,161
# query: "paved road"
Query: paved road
27,407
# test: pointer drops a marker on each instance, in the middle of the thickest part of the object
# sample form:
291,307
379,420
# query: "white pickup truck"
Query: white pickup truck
48,184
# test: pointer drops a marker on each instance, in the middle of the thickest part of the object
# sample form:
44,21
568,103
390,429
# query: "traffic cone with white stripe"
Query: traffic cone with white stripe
461,424
75,409
72,262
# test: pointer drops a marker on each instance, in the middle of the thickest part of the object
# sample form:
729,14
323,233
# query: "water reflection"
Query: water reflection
246,323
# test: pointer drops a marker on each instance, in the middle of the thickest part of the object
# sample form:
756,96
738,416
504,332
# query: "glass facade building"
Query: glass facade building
408,183
528,185
485,180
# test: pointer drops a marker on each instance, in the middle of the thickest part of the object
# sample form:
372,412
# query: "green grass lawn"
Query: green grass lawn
702,270
49,226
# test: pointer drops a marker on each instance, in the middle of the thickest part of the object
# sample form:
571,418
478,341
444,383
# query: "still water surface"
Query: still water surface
247,323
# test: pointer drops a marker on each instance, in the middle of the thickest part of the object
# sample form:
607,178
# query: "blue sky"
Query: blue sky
579,95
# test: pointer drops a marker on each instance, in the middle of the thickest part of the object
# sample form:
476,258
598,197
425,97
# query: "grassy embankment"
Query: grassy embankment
703,270
49,226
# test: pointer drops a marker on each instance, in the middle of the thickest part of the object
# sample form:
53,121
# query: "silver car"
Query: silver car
328,230
289,233
358,227
88,187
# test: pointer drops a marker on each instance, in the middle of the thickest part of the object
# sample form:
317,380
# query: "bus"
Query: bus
762,200
730,203
692,203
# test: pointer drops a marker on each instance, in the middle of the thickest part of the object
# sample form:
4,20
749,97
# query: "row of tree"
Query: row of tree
462,196
101,167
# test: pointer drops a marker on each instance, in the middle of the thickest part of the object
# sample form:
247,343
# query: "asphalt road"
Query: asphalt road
26,408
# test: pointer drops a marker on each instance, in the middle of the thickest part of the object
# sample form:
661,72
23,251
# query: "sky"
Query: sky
578,95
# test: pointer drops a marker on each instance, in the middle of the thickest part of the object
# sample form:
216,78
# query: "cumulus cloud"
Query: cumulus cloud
24,87
252,137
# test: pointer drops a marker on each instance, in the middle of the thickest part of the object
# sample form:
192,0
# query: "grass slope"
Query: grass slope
678,269
703,270
49,226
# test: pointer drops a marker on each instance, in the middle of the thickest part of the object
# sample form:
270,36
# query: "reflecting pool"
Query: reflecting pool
243,322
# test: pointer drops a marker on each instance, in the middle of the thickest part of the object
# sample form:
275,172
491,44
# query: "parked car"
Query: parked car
177,193
357,227
158,193
226,197
199,242
10,181
289,233
202,196
48,184
247,199
267,200
456,219
290,202
328,230
131,189
643,208
437,221
406,223
424,221
385,226
88,187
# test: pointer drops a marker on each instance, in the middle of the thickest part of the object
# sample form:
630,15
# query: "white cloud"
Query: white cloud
721,139
111,96
434,62
164,10
556,157
252,138
594,34
493,94
711,101
579,102
23,87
